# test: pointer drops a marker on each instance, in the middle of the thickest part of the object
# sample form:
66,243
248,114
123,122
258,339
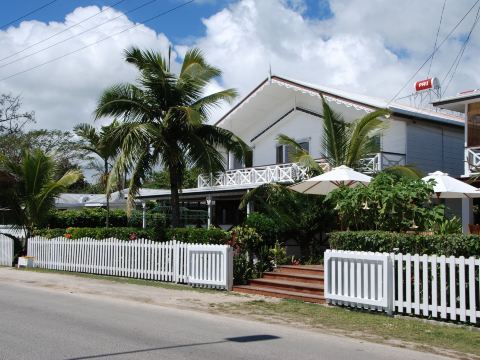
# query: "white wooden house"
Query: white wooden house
428,139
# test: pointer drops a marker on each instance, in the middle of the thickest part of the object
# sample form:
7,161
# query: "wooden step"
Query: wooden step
300,269
293,286
304,278
284,294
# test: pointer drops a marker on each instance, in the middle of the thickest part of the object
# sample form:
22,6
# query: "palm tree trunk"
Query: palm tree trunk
107,193
175,197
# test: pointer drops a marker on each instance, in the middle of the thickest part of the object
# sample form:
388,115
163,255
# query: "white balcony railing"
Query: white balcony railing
289,173
472,161
283,173
378,162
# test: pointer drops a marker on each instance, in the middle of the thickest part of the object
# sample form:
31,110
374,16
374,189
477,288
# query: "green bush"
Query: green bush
96,218
265,226
122,233
382,241
199,235
388,203
188,235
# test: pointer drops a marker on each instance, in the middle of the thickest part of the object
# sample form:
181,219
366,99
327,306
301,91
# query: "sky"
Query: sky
368,47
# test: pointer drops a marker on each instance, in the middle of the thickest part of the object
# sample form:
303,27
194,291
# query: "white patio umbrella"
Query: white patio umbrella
329,181
447,187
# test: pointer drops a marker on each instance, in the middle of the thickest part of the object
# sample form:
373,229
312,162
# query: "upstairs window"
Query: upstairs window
284,152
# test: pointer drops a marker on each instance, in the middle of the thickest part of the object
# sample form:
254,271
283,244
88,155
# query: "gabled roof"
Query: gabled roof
367,103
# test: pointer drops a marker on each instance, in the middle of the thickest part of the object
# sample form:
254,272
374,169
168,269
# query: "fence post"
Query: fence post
390,283
229,263
176,261
326,275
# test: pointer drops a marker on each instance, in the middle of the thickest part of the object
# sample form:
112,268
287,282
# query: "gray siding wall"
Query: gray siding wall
432,148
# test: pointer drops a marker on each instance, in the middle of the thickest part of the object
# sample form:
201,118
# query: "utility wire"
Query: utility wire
434,51
76,35
458,58
99,41
64,30
436,37
27,14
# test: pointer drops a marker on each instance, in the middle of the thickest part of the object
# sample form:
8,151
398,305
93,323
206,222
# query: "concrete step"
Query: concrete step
297,277
293,286
284,294
300,269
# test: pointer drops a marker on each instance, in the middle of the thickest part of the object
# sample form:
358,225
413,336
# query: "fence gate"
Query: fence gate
6,251
359,279
210,265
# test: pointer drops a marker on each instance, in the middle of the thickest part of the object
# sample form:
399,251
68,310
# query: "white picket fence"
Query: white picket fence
6,251
432,286
197,265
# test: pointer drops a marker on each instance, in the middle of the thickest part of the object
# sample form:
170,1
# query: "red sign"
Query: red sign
426,84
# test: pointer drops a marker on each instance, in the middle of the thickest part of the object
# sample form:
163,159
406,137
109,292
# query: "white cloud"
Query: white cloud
370,48
64,92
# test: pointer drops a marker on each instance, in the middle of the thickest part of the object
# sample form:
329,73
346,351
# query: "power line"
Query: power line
99,41
434,51
64,30
459,56
27,14
436,37
76,35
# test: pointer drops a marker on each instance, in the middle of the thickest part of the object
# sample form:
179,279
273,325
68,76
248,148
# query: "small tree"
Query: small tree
33,188
389,202
100,144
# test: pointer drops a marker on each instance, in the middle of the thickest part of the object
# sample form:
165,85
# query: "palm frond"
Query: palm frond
335,135
405,171
299,155
362,142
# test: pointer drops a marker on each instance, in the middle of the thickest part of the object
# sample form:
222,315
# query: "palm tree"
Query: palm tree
100,144
344,143
33,188
164,121
347,143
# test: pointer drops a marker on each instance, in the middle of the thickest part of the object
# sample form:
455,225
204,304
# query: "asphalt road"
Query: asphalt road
43,324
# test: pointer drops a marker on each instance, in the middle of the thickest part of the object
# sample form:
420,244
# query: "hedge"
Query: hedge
188,235
382,241
96,218
199,235
122,233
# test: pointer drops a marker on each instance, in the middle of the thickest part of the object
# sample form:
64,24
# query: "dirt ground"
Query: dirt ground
68,284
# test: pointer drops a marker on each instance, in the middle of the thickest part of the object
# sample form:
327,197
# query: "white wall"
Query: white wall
299,126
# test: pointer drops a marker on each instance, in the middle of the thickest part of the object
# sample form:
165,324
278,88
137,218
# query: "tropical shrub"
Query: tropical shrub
303,218
389,202
383,241
278,254
265,226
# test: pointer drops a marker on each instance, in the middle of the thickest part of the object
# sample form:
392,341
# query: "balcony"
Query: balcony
290,173
378,162
283,173
472,161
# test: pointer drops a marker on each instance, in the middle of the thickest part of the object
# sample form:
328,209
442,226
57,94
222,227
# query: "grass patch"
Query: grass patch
124,280
366,325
